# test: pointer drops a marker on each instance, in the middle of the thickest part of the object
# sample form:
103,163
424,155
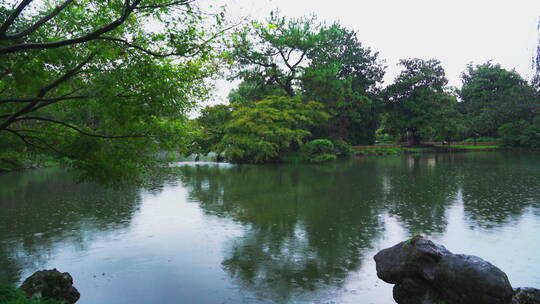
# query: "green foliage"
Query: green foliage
492,96
521,133
13,295
344,76
481,139
324,157
319,146
211,125
250,90
342,148
322,63
94,84
322,150
385,138
419,105
263,130
273,54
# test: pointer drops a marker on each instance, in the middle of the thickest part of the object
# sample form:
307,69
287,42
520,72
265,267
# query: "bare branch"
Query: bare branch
299,60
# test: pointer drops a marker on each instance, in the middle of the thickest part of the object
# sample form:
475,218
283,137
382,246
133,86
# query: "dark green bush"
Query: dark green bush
319,146
342,148
323,158
521,133
319,150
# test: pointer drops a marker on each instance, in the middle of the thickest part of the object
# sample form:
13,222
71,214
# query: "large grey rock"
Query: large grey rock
51,284
427,273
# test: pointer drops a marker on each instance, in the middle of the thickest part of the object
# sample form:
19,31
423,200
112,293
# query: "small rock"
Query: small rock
526,295
51,284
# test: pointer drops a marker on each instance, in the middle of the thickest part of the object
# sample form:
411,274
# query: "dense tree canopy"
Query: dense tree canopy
103,85
418,103
492,96
323,63
344,76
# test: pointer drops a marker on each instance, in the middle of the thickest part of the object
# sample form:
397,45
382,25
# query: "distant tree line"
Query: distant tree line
302,81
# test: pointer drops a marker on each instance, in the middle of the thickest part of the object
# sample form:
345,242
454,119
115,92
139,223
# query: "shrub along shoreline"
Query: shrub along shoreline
435,148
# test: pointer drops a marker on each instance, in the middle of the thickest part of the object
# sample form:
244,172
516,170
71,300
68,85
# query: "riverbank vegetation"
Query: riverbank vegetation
13,295
107,91
327,64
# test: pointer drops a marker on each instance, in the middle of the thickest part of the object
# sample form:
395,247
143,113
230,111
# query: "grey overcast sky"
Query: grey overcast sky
456,32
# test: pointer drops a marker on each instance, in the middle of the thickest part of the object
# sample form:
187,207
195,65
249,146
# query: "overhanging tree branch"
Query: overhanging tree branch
78,129
11,18
128,9
31,106
39,23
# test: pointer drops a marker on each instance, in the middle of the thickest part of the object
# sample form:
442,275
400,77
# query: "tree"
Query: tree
492,96
344,76
275,53
261,131
322,63
94,84
418,104
212,124
250,91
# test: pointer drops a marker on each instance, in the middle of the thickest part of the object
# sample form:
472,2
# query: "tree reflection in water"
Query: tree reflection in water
46,207
309,226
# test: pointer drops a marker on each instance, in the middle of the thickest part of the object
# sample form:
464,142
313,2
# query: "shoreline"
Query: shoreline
399,150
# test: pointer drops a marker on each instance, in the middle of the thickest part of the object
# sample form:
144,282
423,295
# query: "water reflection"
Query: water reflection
44,208
219,233
419,189
308,225
498,189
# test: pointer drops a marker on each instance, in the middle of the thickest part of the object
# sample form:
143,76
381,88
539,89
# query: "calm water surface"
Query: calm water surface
222,233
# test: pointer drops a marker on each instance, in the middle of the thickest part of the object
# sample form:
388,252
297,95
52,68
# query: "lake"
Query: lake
222,233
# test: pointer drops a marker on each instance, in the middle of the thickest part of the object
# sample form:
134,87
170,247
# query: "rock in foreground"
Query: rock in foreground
427,273
51,284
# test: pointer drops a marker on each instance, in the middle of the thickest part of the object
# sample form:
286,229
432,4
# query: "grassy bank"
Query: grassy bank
377,150
13,295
